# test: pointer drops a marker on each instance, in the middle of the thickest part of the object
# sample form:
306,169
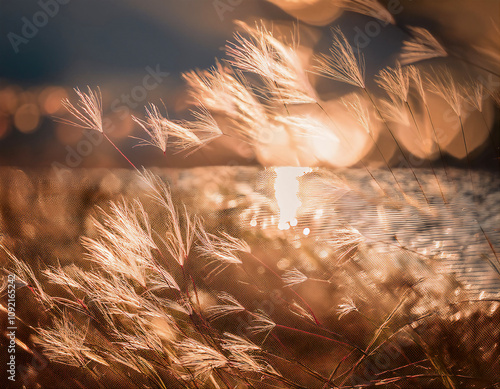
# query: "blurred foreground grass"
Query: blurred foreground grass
415,289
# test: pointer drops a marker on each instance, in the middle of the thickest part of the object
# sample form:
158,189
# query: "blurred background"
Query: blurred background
136,52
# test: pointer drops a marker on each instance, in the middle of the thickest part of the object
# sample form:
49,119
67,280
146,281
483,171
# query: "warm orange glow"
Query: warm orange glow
9,100
50,99
27,118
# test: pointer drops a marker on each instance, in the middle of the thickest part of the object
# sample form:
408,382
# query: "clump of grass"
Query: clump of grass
145,308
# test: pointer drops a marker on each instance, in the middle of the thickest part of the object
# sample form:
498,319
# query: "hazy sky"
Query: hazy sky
116,43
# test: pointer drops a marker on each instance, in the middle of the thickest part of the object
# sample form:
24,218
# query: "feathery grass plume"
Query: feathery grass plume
246,362
236,344
140,342
199,358
191,135
125,242
229,306
124,262
394,110
182,134
293,277
278,64
114,293
141,335
222,90
65,343
342,64
346,241
302,312
25,274
154,127
360,112
395,81
347,307
422,46
261,322
370,8
181,233
127,227
88,110
477,98
205,126
161,279
475,94
88,114
443,84
222,250
242,355
416,77
67,277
